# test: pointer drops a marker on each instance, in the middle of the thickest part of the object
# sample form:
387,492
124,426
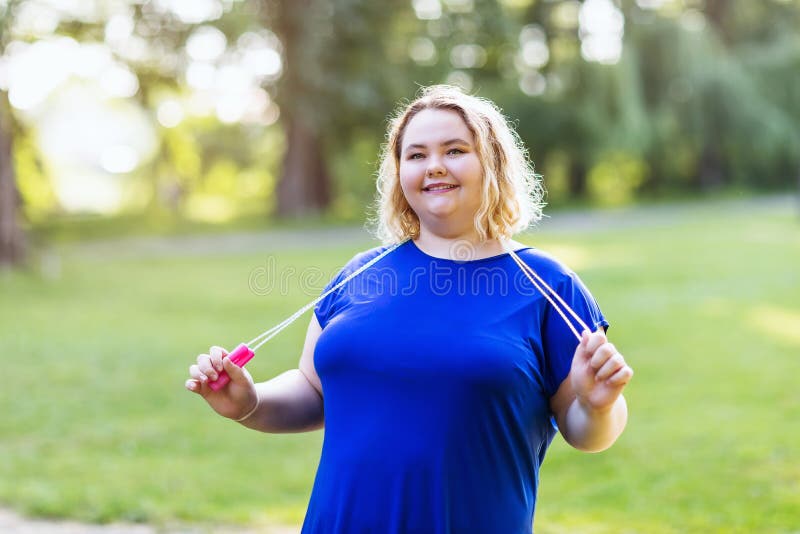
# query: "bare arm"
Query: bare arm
589,407
290,402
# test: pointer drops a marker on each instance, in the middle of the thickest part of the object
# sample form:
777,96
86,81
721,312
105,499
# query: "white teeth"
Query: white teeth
439,187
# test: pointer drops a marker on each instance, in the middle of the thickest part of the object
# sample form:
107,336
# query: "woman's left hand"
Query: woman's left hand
599,372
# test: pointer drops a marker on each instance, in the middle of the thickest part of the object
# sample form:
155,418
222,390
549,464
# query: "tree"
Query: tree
12,237
346,64
328,48
304,185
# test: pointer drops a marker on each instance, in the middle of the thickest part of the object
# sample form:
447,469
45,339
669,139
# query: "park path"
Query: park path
14,523
587,221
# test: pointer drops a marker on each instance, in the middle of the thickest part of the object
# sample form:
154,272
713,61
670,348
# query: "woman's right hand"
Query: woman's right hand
234,400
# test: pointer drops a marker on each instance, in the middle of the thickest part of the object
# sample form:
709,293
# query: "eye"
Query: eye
416,155
454,151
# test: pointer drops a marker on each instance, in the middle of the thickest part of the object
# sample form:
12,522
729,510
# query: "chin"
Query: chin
446,224
441,215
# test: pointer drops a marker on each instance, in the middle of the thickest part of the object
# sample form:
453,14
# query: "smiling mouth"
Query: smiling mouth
435,188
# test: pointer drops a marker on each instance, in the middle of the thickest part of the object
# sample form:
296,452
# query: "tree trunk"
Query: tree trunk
711,172
304,187
717,11
12,238
577,179
798,191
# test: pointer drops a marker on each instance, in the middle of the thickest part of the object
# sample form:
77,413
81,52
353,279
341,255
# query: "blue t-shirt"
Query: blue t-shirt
436,377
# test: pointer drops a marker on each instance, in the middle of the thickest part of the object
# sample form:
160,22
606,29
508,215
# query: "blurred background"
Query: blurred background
159,158
218,110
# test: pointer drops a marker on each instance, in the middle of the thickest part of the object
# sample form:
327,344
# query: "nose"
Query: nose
435,167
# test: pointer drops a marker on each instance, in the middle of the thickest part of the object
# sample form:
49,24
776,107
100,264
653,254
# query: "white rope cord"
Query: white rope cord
534,278
531,274
529,269
275,330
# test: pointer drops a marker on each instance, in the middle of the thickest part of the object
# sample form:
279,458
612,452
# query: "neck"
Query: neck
461,247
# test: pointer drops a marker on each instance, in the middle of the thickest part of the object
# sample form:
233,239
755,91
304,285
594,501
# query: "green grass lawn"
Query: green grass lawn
705,305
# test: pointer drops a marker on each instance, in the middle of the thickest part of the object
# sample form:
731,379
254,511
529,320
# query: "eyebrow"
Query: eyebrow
456,141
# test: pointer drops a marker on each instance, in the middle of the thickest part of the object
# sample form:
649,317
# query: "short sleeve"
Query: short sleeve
329,306
559,343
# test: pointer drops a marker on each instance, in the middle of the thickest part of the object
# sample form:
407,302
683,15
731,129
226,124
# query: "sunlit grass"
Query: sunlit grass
706,310
97,426
778,323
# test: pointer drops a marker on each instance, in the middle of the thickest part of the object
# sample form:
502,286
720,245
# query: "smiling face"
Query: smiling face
440,172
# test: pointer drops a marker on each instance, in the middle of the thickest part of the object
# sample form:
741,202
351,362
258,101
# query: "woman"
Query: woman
438,371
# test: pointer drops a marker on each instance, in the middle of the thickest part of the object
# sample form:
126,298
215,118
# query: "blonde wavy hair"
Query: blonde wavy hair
512,192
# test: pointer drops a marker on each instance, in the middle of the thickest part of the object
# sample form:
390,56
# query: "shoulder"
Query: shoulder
545,264
333,300
364,257
557,275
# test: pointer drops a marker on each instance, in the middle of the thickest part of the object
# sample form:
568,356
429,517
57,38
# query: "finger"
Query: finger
217,353
611,366
193,386
621,377
595,340
602,354
197,374
585,336
236,373
206,368
580,350
203,359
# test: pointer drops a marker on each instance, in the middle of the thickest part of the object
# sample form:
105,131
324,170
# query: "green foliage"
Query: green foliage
556,177
35,189
703,301
614,179
355,169
183,155
703,97
208,173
